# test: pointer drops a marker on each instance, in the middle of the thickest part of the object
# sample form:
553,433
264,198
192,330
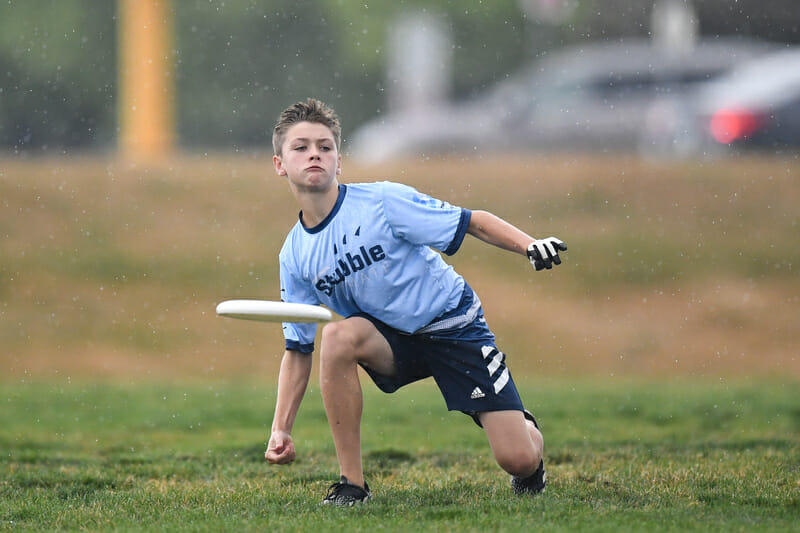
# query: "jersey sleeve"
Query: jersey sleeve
298,336
421,219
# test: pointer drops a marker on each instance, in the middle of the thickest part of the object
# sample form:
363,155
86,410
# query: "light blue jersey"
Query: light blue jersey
374,254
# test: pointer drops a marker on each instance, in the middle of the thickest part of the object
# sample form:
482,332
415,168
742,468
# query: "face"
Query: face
309,158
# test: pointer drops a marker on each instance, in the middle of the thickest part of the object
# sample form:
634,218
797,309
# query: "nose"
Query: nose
313,152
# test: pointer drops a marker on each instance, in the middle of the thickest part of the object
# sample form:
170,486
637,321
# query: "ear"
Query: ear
278,164
339,165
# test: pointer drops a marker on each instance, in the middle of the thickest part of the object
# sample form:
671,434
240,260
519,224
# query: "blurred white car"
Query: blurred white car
596,95
754,106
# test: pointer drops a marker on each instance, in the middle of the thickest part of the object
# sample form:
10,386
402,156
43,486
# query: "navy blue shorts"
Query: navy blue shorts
467,366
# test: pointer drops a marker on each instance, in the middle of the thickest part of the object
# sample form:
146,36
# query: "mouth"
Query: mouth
314,168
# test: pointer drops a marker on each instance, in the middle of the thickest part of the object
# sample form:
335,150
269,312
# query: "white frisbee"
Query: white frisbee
271,311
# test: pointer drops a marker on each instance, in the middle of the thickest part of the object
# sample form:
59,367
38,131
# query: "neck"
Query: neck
317,205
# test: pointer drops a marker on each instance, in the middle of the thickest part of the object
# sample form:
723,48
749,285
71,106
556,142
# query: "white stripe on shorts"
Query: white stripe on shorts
501,381
497,360
454,321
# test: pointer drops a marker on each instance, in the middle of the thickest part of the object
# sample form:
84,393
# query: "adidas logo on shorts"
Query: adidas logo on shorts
477,393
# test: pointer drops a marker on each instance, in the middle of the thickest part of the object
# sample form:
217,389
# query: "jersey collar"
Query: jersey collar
321,226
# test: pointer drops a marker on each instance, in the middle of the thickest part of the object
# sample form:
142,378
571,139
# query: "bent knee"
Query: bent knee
337,338
346,338
356,340
521,463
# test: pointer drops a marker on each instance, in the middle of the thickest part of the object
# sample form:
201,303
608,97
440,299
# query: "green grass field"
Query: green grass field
662,358
627,455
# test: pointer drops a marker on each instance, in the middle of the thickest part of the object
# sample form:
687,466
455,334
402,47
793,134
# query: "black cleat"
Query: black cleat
346,494
533,484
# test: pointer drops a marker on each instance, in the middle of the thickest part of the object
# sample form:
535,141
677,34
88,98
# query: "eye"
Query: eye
325,148
300,148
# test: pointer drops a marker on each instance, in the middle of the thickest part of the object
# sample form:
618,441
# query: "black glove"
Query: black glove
544,252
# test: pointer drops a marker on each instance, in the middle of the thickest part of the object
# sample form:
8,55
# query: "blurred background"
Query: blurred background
547,73
660,139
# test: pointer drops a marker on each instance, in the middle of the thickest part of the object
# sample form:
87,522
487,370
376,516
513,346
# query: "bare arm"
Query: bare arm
292,384
494,230
542,253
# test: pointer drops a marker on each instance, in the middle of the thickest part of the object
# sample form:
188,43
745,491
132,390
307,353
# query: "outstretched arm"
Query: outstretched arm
292,384
496,231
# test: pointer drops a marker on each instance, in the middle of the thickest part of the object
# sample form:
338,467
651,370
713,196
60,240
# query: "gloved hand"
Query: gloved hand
544,252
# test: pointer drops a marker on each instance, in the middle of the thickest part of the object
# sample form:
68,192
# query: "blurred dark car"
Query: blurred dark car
754,106
594,96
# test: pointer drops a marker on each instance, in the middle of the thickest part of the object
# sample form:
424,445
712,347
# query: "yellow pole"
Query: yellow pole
146,103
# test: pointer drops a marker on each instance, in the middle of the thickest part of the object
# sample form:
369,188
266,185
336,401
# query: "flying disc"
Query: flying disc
270,311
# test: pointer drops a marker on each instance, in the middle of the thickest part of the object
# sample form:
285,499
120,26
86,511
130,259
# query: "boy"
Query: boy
365,251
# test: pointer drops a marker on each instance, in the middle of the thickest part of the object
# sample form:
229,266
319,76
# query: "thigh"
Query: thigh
409,360
505,429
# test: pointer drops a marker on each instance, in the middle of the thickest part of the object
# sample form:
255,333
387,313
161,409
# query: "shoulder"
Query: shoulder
370,194
378,187
381,190
366,188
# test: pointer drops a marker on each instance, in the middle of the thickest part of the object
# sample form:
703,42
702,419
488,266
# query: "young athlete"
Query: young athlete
367,252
